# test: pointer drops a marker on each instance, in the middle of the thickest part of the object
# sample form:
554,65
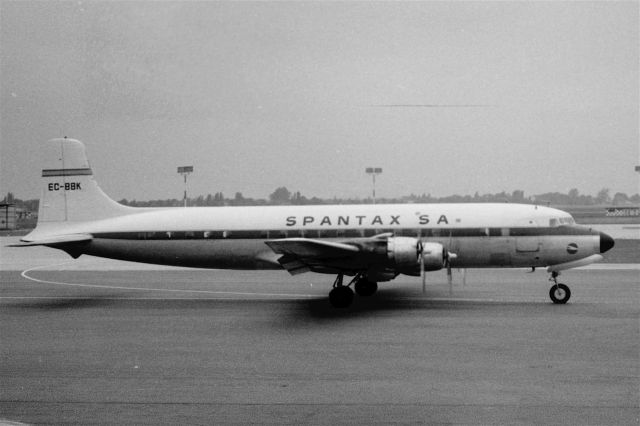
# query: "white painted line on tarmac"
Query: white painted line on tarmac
25,273
613,266
5,422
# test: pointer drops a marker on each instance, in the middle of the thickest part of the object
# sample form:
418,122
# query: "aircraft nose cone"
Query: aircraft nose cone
606,242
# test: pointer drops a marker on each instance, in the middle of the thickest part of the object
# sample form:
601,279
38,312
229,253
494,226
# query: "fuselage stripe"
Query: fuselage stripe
346,233
66,172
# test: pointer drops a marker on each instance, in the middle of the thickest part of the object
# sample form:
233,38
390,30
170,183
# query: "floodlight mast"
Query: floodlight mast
185,171
373,171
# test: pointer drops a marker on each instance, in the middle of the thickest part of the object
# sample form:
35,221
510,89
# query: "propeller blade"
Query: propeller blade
449,257
424,275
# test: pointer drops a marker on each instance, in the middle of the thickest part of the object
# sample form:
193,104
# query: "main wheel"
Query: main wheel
559,293
341,297
365,287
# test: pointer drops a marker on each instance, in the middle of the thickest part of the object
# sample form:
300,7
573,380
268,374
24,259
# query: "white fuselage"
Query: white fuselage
481,235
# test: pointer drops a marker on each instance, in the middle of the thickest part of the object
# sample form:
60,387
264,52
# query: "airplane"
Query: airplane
370,243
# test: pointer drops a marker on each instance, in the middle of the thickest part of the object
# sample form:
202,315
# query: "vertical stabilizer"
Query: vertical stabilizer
69,191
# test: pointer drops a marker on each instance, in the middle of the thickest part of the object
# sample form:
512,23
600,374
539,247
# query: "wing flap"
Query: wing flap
301,255
306,247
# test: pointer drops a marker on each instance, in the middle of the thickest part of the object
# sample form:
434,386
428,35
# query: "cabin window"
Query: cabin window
353,233
553,222
277,234
310,233
370,232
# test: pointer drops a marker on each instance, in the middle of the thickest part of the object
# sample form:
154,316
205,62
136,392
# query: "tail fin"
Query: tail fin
69,191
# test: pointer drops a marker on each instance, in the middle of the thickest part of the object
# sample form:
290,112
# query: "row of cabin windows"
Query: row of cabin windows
307,233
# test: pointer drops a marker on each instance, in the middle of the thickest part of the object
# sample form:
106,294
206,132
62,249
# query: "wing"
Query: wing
303,254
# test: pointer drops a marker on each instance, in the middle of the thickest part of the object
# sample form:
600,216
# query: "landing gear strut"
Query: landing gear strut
559,293
342,296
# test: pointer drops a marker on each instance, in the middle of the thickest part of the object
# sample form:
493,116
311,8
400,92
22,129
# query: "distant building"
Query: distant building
623,211
7,216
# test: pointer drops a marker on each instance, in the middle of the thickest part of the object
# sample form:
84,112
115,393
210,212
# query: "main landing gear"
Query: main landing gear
559,293
342,296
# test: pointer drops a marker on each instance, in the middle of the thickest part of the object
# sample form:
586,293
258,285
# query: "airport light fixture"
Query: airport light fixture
185,171
373,171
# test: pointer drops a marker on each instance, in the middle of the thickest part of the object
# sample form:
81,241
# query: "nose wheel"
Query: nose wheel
559,293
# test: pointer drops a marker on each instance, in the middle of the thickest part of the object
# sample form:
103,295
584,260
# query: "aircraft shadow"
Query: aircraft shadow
59,304
290,311
389,300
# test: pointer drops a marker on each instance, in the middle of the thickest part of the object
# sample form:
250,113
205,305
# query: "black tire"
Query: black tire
365,288
341,297
559,294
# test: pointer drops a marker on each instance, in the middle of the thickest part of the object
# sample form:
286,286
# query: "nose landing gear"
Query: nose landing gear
559,293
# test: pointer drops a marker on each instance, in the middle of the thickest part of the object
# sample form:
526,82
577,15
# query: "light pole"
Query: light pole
373,171
184,171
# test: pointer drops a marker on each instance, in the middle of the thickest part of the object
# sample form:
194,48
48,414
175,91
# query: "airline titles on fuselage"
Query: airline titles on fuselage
359,220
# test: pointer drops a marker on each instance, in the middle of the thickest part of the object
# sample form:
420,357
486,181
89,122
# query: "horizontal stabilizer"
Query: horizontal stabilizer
575,264
55,240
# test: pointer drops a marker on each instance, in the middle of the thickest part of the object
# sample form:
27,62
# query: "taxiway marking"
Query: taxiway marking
25,273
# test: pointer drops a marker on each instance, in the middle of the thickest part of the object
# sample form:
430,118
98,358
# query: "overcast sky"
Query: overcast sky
261,95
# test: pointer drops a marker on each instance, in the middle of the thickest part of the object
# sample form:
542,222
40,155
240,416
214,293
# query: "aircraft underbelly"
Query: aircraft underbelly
255,254
214,254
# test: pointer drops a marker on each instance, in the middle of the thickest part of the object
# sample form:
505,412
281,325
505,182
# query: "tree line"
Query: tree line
282,196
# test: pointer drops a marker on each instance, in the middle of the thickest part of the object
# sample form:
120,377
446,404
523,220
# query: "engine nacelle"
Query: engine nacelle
404,254
435,256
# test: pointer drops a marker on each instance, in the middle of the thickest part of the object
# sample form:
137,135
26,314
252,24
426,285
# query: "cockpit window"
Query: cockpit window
553,222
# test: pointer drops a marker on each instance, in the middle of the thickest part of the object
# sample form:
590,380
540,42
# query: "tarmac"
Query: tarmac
108,343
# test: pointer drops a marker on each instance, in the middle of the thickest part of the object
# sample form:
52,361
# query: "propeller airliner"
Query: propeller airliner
369,243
